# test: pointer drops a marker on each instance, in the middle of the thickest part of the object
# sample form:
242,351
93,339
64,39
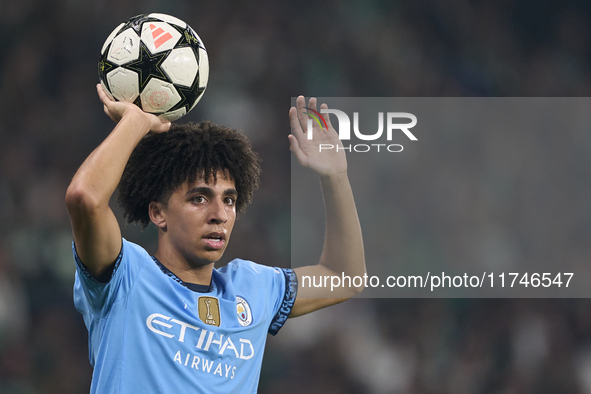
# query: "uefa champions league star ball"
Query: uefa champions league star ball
157,62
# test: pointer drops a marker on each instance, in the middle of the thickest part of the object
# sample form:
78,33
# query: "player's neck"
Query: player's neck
196,272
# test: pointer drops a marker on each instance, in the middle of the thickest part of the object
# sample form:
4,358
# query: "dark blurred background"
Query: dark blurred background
262,54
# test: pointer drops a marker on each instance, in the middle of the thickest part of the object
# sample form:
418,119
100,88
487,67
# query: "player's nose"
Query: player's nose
217,213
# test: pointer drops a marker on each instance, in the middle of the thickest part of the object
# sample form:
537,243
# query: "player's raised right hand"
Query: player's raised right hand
117,109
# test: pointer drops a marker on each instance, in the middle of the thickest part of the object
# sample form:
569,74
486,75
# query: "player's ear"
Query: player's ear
157,214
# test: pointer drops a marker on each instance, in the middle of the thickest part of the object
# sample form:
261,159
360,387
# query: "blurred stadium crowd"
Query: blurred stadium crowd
261,55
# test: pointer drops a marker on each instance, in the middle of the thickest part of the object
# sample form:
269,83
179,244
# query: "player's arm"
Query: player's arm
343,243
97,235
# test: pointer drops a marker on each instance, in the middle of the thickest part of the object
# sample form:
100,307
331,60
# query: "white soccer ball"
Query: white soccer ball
157,62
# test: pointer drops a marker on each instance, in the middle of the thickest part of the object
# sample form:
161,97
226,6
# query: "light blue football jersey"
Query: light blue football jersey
149,332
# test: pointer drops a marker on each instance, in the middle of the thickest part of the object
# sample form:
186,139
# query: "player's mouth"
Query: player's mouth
215,240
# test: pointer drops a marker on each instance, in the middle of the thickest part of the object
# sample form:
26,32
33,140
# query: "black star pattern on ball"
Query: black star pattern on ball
188,96
105,66
188,38
148,66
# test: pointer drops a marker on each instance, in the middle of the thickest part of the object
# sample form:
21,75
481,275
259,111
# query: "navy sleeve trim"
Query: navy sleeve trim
291,291
88,275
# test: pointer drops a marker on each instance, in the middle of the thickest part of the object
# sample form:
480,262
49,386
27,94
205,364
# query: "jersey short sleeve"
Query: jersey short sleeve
284,304
276,288
96,298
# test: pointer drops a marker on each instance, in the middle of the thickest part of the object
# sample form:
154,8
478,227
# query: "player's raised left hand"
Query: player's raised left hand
325,162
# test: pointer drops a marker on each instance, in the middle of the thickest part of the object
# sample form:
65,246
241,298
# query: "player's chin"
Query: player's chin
212,255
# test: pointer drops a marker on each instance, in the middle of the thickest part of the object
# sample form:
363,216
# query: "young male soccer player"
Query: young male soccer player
171,323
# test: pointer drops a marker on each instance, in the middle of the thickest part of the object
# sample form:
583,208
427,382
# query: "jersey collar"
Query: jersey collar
191,286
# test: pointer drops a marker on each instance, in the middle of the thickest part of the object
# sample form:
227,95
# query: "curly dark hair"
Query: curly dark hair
162,162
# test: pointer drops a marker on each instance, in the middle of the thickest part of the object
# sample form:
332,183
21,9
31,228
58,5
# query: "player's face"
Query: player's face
200,217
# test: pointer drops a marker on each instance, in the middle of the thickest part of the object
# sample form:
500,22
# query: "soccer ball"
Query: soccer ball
157,62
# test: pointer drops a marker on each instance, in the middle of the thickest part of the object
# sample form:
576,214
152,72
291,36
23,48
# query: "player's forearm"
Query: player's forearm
98,177
343,243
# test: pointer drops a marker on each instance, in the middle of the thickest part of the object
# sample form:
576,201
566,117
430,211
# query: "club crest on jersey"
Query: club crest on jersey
243,312
209,310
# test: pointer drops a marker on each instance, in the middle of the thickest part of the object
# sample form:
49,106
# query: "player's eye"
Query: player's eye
230,200
198,199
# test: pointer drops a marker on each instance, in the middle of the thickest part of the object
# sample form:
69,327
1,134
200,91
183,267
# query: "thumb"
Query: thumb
161,127
295,148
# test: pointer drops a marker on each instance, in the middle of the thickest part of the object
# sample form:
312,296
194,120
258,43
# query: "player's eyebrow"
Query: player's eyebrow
208,191
230,192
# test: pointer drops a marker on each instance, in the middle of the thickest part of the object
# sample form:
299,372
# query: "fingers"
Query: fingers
102,95
302,111
304,114
296,127
325,116
295,148
300,104
161,127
